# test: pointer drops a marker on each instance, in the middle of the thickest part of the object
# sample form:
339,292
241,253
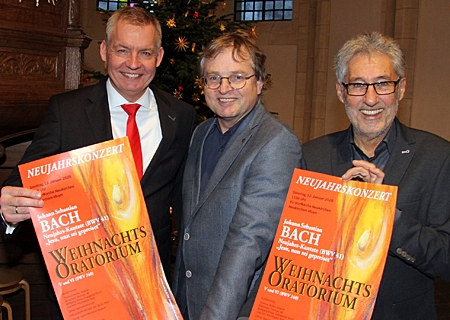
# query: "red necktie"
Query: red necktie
133,135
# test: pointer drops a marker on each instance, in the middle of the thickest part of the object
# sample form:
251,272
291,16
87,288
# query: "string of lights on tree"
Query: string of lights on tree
37,2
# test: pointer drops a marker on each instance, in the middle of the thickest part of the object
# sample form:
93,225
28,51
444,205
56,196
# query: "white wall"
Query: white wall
281,65
348,19
430,102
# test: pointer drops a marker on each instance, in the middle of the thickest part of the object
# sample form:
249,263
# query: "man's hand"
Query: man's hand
15,203
364,170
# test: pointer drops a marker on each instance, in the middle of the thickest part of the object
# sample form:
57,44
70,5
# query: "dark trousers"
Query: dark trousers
56,311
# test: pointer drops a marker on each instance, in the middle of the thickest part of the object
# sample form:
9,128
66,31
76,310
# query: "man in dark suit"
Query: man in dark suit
378,148
132,51
238,171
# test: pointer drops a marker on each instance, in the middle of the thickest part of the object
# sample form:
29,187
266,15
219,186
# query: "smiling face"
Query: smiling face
132,57
371,115
228,104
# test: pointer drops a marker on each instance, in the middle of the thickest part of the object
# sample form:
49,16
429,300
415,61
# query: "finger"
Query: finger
356,172
364,164
15,215
378,177
21,210
16,205
374,175
12,197
20,192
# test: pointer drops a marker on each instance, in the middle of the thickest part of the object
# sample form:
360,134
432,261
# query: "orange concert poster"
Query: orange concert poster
95,235
329,251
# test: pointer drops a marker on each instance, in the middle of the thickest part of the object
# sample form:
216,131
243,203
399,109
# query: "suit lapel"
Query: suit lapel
340,155
402,155
168,119
97,112
224,163
233,149
193,169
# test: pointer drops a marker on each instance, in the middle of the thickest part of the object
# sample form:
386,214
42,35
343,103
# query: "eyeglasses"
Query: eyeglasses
381,88
236,81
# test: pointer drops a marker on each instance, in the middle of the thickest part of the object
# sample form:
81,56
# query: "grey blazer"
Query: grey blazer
420,246
226,232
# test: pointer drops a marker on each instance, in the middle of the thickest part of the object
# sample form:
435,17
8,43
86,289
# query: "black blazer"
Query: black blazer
81,117
420,246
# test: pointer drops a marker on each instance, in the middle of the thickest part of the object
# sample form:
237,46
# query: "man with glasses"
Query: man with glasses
237,174
377,148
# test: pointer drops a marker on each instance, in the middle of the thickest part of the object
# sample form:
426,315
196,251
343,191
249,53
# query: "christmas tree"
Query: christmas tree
187,26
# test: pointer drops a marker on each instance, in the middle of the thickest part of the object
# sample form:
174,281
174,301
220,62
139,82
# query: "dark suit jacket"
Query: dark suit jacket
81,117
420,246
228,229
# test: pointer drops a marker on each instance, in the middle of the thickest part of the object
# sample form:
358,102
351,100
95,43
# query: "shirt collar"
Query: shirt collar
388,140
116,99
230,131
236,126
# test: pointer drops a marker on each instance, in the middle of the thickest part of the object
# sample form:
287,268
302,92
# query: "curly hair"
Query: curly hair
243,44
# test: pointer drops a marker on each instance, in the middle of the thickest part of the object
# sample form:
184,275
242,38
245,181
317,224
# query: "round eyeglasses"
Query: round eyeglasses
236,81
381,87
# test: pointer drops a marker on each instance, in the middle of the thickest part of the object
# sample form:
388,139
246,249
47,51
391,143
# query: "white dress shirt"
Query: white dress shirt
147,119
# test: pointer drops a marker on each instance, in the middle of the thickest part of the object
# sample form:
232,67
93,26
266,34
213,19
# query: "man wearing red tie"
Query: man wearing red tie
157,123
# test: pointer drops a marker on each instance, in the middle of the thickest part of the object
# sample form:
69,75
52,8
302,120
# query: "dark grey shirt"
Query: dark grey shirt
382,152
214,147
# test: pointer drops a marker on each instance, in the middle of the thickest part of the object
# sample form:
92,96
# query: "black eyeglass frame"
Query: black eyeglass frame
229,82
396,82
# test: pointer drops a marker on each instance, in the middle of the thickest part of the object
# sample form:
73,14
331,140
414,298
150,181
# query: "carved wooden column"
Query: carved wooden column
75,46
41,52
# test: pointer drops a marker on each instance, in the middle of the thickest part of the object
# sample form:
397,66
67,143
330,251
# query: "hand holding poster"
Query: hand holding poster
329,251
95,235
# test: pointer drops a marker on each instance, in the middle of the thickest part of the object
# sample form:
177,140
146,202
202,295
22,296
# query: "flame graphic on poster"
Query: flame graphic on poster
115,199
363,239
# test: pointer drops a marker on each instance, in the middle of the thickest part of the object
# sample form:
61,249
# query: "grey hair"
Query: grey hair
135,16
369,44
